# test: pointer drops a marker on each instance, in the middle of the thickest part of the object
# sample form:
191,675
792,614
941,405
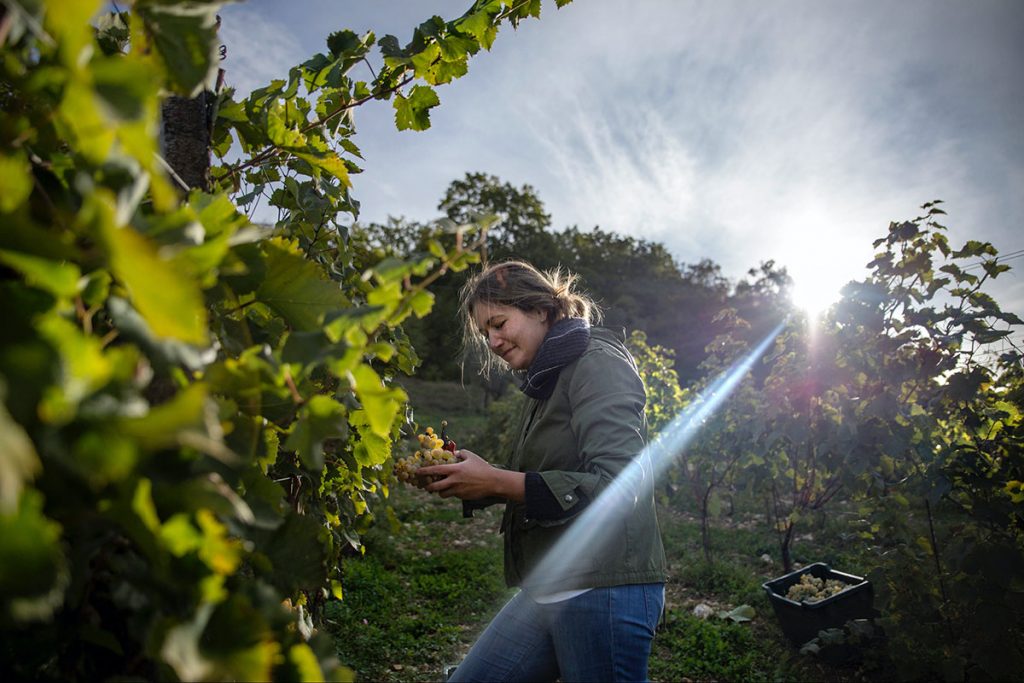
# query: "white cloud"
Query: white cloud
747,132
633,176
258,49
733,130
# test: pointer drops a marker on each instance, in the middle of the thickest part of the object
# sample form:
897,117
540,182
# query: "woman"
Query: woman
587,610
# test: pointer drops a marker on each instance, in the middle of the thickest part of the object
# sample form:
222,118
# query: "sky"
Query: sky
792,130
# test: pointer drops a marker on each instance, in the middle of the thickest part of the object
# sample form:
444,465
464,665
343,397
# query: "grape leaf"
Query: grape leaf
60,279
320,418
172,305
297,289
15,182
20,463
381,403
163,425
185,37
412,112
32,567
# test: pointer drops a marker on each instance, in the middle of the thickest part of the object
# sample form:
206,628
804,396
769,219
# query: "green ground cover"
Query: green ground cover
461,404
419,596
430,580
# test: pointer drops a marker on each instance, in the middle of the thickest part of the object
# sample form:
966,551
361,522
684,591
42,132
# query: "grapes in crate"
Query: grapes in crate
433,450
812,589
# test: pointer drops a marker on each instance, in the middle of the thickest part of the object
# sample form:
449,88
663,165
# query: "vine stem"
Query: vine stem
776,505
83,315
423,284
233,171
935,549
6,21
290,382
270,152
938,567
510,10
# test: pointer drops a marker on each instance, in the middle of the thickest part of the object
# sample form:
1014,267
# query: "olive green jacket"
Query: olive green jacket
579,440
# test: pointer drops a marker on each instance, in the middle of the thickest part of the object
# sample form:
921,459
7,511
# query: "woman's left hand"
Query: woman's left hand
472,478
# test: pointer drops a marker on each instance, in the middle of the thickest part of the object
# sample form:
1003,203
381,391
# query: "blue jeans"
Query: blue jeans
603,635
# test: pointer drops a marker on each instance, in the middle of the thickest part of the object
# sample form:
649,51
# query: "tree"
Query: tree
633,279
519,230
522,228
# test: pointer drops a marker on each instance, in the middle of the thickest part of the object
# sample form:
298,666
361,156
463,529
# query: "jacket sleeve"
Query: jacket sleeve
607,401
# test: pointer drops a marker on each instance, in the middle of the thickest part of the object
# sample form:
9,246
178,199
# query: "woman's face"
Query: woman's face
512,334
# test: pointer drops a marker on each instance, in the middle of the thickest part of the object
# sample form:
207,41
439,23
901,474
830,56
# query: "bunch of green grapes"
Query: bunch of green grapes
812,589
433,450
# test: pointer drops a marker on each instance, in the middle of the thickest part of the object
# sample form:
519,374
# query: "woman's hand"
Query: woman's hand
473,477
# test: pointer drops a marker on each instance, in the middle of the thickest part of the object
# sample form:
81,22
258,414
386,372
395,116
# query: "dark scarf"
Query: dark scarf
565,342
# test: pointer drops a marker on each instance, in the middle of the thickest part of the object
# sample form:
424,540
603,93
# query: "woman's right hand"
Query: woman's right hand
473,478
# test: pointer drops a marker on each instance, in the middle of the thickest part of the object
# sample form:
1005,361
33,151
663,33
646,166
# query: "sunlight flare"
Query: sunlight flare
813,296
595,526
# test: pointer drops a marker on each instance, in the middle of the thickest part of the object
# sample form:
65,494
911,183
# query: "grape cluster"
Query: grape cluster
813,589
433,450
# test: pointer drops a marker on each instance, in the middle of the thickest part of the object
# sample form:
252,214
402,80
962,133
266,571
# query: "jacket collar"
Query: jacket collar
565,342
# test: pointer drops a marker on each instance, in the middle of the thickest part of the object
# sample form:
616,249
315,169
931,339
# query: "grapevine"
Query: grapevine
218,396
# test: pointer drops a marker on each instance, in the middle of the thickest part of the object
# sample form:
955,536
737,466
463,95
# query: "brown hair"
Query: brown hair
520,285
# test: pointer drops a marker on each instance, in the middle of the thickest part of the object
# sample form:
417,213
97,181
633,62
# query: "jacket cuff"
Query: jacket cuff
541,503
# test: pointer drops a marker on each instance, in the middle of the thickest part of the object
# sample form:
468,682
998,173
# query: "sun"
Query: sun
813,296
819,268
822,251
816,285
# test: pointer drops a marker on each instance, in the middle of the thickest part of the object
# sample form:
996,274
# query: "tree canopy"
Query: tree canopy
638,283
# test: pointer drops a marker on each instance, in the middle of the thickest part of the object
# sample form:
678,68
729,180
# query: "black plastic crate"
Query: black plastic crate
802,620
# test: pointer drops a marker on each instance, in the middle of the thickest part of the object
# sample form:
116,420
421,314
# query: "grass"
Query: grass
418,598
688,648
461,405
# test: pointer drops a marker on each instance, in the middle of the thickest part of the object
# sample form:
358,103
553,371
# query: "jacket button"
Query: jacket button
568,498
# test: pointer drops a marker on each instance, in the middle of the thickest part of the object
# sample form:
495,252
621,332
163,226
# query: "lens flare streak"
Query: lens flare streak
596,525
